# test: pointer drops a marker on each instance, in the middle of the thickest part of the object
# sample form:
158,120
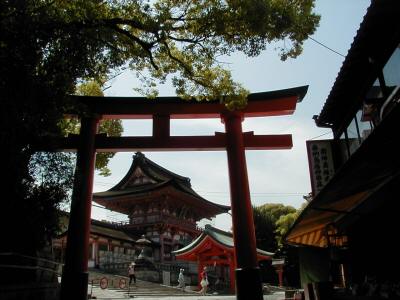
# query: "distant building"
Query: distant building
346,235
160,205
109,246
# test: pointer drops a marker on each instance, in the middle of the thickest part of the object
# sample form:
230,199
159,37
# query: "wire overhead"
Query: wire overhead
330,49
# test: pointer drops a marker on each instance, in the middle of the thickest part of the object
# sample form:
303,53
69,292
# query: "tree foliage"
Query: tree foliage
284,223
111,127
265,221
48,46
266,218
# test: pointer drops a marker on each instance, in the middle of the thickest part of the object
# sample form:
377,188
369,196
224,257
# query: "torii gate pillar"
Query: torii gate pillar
74,282
248,280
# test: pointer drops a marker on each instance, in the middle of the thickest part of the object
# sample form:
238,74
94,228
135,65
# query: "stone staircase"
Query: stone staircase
117,287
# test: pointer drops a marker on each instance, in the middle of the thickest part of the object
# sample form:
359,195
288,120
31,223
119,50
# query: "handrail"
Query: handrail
29,257
29,268
33,259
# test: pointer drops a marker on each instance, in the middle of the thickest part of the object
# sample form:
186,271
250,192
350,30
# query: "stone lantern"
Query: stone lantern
143,245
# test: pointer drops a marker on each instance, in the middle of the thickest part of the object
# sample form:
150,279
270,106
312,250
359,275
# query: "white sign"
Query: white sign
320,162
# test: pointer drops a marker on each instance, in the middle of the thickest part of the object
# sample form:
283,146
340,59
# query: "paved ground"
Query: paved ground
149,291
153,291
156,294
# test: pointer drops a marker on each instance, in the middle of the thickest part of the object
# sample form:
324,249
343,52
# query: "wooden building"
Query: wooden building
109,246
346,234
214,248
160,204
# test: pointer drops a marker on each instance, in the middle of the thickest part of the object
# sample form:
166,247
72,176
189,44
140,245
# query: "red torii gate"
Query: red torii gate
282,102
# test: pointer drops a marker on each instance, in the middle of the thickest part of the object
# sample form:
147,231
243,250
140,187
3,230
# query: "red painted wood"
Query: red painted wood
242,214
232,267
161,126
160,142
74,280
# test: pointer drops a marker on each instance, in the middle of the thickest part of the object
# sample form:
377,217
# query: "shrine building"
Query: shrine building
109,247
160,204
214,248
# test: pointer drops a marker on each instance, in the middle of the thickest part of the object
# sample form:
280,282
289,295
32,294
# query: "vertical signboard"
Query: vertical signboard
320,162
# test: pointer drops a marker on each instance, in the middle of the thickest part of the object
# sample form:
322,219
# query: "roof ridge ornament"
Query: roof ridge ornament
138,155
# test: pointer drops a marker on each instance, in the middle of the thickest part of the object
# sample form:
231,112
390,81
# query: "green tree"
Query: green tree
48,46
264,230
284,223
288,252
265,222
112,127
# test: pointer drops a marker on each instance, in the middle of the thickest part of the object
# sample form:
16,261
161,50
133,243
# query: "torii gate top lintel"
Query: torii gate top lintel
163,109
272,103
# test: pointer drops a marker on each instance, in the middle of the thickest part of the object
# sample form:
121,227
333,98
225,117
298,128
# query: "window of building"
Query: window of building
391,78
344,148
381,97
90,250
353,136
103,247
391,71
364,125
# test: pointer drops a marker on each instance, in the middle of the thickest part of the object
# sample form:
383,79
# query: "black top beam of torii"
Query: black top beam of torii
162,109
282,102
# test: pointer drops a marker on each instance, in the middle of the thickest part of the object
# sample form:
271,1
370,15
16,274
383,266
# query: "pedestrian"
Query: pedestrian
131,273
181,279
204,281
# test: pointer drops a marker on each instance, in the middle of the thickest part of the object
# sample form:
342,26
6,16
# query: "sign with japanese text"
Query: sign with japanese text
320,161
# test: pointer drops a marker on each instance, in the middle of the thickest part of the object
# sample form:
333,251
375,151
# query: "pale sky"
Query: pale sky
275,176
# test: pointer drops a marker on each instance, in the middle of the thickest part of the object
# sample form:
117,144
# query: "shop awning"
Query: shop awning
354,190
317,226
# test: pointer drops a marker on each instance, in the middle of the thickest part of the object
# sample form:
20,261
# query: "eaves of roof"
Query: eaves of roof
112,233
218,236
376,39
151,169
141,189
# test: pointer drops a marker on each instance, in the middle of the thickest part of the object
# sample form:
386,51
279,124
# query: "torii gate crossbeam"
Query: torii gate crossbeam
234,141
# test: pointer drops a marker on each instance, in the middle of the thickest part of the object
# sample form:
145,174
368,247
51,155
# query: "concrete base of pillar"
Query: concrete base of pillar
74,285
248,284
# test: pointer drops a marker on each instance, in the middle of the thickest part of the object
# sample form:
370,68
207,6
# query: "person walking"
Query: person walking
131,273
181,279
204,281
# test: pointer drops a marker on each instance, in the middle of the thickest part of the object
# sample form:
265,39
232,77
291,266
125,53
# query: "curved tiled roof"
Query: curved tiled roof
158,178
110,232
153,170
217,235
99,228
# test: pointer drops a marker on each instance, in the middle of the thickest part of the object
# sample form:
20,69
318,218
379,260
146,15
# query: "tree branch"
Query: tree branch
183,65
145,45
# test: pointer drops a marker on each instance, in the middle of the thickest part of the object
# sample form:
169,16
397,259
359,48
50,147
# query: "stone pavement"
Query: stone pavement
116,287
152,291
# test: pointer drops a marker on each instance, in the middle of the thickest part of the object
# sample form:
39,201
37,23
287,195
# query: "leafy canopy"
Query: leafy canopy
156,38
265,222
48,46
112,127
